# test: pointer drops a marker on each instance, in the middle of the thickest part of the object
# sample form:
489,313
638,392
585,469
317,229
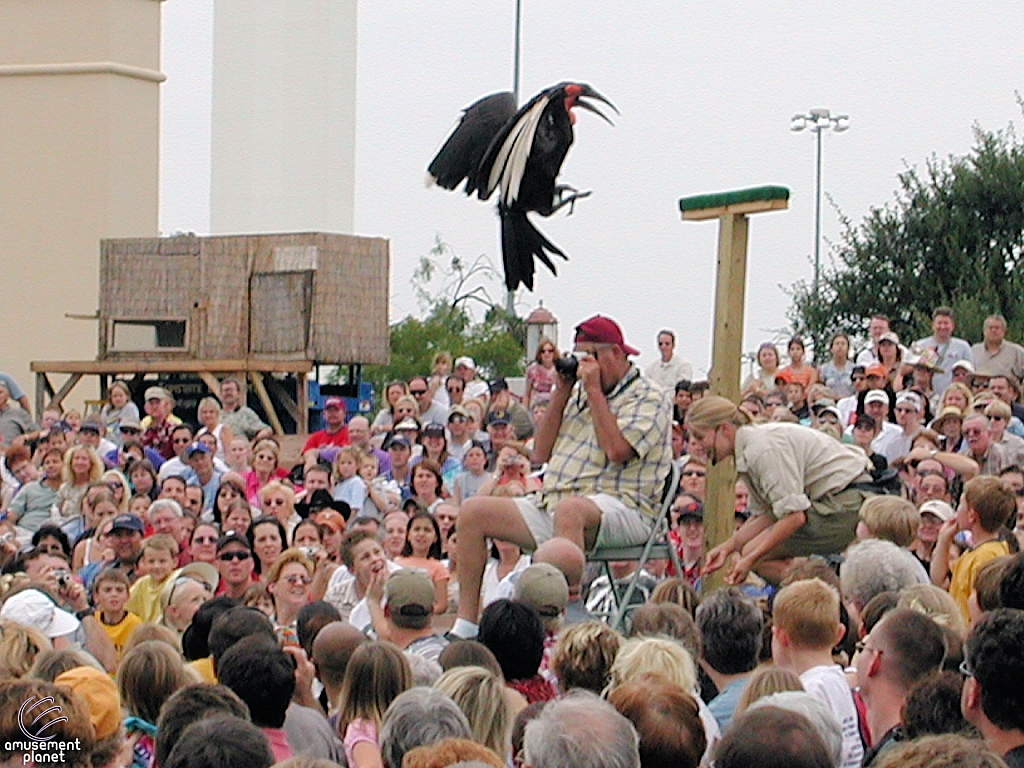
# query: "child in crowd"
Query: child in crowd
422,551
469,482
349,486
986,505
110,590
378,490
806,628
258,596
159,556
376,674
890,518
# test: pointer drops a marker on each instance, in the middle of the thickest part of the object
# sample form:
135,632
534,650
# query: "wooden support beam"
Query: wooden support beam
302,392
43,389
170,366
268,406
274,386
65,389
211,381
731,209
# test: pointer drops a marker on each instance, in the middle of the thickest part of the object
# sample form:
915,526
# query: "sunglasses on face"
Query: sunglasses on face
296,579
694,473
227,557
417,392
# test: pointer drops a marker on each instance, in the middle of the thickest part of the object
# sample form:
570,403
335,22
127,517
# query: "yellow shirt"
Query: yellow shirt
145,598
966,568
205,669
120,632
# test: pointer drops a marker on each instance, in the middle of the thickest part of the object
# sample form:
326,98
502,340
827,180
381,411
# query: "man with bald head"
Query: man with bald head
359,434
332,649
569,559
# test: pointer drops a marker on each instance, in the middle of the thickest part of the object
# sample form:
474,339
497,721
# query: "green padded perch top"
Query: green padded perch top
722,199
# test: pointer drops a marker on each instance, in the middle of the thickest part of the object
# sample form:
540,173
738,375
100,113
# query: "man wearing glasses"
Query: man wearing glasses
605,438
991,457
669,369
429,410
235,565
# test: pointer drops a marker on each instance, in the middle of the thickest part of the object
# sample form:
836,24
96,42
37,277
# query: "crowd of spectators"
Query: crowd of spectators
413,590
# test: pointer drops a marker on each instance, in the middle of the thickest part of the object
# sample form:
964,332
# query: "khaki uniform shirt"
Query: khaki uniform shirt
787,466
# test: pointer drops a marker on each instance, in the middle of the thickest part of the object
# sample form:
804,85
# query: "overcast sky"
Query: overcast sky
706,92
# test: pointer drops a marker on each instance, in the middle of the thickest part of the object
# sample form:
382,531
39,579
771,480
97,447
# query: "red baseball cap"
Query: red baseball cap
334,402
603,330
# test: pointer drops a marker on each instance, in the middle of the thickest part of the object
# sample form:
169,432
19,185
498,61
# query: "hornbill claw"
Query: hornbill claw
561,199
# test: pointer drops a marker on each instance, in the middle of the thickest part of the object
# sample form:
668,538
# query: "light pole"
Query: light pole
510,296
818,120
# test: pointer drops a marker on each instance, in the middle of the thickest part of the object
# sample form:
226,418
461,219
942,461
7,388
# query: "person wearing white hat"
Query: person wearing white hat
33,608
909,410
876,405
475,389
934,513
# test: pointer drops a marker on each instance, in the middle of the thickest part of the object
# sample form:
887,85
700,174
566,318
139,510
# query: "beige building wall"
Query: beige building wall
79,110
284,102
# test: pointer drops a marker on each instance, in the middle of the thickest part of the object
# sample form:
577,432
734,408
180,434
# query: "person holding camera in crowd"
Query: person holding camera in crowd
605,438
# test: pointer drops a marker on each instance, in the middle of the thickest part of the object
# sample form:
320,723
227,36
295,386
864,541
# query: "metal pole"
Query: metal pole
510,296
817,218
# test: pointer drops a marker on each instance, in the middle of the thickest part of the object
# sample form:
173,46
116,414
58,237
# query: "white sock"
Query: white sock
465,629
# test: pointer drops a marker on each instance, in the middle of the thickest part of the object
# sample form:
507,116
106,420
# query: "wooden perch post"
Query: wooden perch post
731,209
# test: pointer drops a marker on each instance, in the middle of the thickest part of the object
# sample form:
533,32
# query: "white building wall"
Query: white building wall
284,99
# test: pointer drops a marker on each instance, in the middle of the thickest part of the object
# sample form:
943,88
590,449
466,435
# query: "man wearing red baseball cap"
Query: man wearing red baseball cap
327,441
605,438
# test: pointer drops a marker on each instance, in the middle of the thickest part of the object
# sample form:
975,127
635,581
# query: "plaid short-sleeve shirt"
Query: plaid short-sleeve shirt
579,467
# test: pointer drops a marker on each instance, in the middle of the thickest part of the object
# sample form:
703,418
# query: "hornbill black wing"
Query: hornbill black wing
504,163
459,157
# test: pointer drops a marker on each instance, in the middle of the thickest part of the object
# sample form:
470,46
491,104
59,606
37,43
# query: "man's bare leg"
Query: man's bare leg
479,519
576,518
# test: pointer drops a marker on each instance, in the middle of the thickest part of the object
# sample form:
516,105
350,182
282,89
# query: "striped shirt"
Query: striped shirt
579,467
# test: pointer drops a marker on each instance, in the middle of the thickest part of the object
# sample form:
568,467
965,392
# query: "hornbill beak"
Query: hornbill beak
587,92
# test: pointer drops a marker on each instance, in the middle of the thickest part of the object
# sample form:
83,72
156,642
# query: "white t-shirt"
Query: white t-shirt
828,685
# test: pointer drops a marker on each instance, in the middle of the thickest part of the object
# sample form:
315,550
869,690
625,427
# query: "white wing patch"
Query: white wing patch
510,163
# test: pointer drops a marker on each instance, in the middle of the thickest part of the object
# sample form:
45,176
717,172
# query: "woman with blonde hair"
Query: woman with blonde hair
482,697
935,603
659,656
959,396
119,487
209,413
278,500
765,681
806,488
19,647
82,466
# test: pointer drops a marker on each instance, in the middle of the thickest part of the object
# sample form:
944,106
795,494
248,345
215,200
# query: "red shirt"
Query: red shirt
324,439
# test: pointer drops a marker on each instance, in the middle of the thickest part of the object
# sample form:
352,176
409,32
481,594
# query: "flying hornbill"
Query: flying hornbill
521,152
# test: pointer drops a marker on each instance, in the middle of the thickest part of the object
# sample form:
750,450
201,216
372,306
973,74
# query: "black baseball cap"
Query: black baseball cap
126,522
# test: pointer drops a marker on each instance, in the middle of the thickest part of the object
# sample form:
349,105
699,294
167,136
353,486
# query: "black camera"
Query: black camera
567,366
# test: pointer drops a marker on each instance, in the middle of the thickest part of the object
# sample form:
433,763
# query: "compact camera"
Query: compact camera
568,364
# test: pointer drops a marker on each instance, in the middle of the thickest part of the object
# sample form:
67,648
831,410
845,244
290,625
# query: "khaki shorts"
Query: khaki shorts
831,526
621,526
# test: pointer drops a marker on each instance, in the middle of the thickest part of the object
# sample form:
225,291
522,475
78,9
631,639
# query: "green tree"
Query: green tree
452,293
953,236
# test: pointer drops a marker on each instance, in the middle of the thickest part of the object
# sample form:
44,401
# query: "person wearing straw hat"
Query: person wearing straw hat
923,370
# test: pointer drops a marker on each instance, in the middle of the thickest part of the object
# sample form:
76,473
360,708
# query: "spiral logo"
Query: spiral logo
41,711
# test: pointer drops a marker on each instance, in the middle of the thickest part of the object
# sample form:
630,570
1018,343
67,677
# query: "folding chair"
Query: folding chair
657,547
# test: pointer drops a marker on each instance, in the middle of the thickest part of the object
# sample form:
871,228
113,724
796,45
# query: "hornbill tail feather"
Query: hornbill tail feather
521,243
